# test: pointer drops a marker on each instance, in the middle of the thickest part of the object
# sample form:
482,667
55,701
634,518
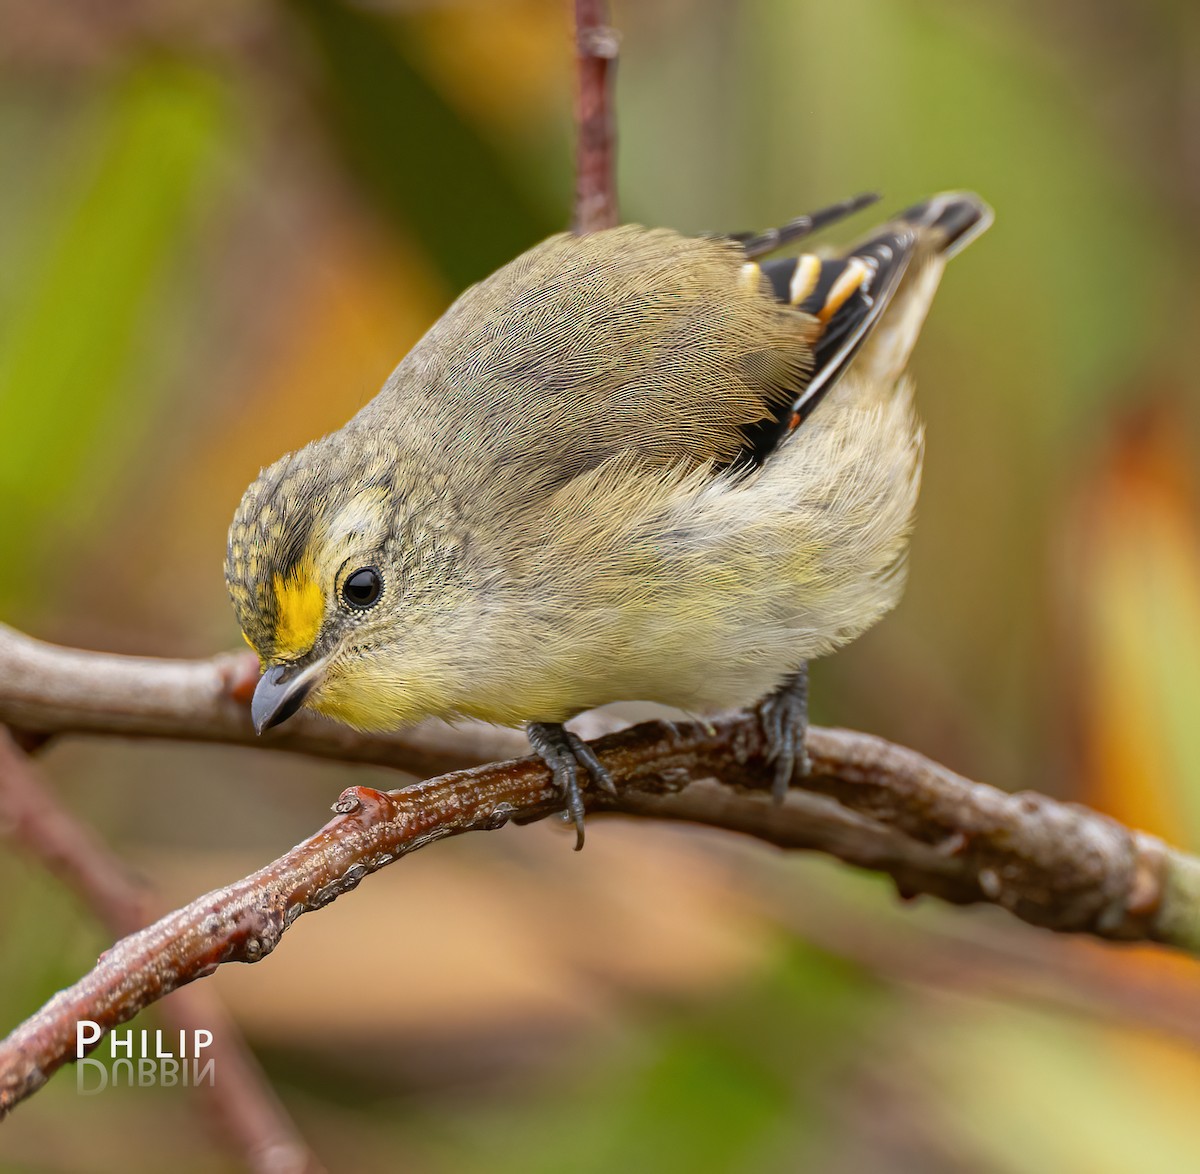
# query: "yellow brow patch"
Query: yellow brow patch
299,610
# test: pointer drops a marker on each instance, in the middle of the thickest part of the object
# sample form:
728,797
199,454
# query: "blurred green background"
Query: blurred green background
222,224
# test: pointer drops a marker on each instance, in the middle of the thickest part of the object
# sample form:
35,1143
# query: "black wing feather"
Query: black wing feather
848,294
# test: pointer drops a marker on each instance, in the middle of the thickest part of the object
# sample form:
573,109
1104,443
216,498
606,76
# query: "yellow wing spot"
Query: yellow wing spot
804,278
750,278
852,277
299,608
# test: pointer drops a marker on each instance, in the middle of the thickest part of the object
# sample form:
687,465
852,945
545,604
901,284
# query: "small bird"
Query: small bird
631,465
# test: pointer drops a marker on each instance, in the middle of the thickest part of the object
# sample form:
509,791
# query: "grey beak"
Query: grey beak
280,692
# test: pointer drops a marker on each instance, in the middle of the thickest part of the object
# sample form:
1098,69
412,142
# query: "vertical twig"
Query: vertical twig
243,1103
595,168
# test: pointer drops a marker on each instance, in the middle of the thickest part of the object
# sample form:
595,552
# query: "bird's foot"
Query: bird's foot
784,718
564,753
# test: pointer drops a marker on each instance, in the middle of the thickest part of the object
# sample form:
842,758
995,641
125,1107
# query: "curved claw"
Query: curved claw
564,753
784,718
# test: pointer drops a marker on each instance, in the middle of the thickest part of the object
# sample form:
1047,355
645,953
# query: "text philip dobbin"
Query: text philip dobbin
142,1058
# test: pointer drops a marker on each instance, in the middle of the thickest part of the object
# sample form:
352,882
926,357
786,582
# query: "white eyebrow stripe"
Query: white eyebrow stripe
361,514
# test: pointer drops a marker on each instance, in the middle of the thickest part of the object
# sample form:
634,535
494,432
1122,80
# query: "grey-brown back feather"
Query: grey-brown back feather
631,340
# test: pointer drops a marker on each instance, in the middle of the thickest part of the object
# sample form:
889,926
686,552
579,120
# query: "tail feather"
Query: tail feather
956,218
758,244
871,300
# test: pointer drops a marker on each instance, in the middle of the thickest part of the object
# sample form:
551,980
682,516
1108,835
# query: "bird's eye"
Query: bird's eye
362,587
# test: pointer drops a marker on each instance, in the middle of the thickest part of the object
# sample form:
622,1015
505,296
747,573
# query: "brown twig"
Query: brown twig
246,1109
596,46
866,801
46,689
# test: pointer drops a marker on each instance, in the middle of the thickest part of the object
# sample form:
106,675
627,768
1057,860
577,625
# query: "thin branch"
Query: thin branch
246,1109
596,46
46,689
866,801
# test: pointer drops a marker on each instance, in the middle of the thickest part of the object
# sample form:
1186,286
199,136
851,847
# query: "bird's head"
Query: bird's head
323,557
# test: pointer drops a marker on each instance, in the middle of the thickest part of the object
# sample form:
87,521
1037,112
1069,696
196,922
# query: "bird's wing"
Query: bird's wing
674,350
870,302
632,340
